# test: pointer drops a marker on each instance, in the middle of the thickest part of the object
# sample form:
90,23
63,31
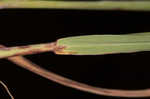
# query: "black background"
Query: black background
118,71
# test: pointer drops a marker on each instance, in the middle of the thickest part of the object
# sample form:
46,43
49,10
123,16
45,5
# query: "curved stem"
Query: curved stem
70,83
6,88
24,63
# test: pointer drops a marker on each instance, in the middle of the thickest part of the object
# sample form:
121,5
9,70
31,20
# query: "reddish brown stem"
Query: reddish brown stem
27,50
74,84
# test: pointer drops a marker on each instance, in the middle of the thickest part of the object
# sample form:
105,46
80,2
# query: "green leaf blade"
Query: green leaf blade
78,5
105,44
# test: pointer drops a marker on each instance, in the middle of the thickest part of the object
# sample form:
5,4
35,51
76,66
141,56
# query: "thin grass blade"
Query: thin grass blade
105,44
78,5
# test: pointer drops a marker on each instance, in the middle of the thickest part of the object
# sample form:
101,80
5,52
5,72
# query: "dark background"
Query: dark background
118,71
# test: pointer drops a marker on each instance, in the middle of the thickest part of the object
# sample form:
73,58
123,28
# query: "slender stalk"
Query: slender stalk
24,63
27,50
6,88
80,5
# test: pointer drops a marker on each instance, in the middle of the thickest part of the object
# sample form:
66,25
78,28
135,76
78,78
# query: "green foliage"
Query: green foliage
88,5
105,44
